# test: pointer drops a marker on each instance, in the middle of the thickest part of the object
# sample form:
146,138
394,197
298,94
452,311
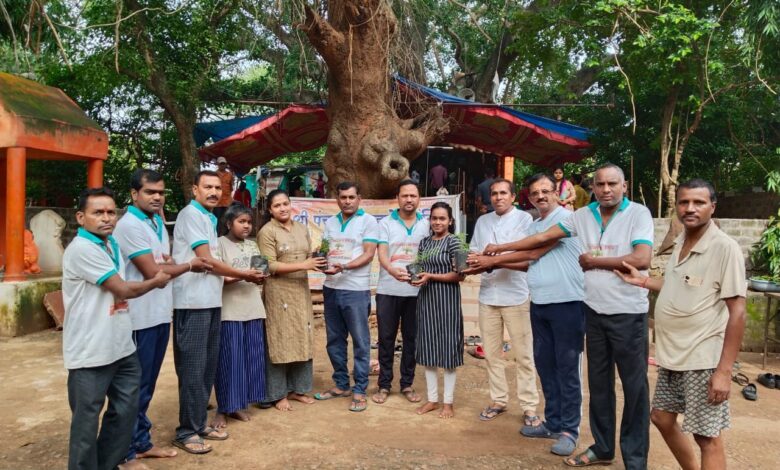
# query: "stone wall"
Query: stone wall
746,232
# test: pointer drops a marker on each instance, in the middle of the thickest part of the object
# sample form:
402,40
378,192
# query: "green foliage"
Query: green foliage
463,245
766,252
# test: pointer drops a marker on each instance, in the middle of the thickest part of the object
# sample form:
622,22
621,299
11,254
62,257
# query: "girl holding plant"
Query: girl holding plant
241,370
439,314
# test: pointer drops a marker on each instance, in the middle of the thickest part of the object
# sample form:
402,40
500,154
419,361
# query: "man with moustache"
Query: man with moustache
400,234
611,231
143,241
197,304
353,236
97,336
699,322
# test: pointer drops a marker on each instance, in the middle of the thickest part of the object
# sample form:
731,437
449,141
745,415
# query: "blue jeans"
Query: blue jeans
150,344
346,313
559,337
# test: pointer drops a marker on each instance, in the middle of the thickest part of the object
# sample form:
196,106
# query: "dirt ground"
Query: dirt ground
34,420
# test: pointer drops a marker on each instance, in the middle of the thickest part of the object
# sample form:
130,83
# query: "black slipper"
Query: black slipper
750,392
777,381
767,380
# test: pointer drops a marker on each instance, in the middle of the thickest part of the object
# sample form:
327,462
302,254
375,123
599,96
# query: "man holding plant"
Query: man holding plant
400,234
352,236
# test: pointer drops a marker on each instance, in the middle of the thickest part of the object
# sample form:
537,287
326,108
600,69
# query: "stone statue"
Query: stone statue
47,226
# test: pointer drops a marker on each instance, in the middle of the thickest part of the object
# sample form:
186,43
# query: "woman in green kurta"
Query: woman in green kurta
288,305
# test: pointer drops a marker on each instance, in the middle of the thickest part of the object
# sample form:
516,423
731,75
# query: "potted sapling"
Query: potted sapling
415,268
765,256
322,251
259,263
461,256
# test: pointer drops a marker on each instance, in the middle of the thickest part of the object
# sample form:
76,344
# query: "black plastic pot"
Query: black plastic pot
460,261
259,263
414,271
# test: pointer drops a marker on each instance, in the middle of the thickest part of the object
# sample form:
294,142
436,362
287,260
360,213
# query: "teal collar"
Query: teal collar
594,209
155,222
344,224
202,209
114,253
409,230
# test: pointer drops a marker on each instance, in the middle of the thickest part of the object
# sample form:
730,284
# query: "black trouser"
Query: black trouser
390,311
195,355
87,391
618,340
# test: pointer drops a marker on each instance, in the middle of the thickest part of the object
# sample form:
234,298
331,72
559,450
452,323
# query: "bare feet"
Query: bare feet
240,415
283,405
219,421
447,412
157,453
133,465
301,397
428,407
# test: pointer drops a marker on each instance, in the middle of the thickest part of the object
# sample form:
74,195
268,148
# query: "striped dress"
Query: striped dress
439,313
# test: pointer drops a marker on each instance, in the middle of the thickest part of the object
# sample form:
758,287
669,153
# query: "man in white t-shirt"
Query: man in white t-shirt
97,336
699,323
197,305
504,303
611,231
143,241
400,234
352,235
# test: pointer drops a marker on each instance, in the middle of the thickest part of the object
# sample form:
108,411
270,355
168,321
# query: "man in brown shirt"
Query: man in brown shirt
226,178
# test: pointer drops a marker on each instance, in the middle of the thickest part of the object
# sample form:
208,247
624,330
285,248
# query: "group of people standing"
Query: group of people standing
554,284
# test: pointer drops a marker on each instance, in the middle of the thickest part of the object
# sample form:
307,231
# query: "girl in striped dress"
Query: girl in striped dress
241,370
439,313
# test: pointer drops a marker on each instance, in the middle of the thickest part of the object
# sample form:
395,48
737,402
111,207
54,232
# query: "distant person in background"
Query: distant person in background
415,176
565,189
243,195
581,197
438,178
483,192
319,191
226,180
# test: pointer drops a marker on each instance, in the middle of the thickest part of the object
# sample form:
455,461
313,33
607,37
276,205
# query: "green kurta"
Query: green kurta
290,336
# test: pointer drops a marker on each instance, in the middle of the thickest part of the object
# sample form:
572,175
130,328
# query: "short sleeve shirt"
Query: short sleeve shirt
502,287
241,300
402,245
556,277
690,313
97,330
630,225
346,239
138,234
226,181
195,226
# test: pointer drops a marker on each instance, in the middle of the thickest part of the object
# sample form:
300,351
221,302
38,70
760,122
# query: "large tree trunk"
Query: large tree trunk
368,143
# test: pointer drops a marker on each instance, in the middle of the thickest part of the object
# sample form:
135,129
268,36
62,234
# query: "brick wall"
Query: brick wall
756,205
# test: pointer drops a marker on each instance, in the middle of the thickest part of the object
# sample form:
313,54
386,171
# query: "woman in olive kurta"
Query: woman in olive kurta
288,305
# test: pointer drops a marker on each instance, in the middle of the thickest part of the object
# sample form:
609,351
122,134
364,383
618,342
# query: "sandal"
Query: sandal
332,393
586,459
529,420
194,439
767,380
358,404
213,434
740,379
750,392
492,412
411,395
380,396
477,351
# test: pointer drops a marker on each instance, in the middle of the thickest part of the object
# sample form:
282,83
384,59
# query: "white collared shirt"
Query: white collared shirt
137,235
502,287
629,226
195,226
97,330
402,245
346,241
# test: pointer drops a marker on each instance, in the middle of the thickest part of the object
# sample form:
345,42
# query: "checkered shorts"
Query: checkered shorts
685,392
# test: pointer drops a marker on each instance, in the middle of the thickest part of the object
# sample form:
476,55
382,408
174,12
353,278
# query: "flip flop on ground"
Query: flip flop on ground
380,396
492,412
358,404
586,459
411,395
750,392
213,434
332,393
193,444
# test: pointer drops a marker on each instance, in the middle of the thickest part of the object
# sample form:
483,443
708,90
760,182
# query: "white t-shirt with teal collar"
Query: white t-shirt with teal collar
346,239
402,245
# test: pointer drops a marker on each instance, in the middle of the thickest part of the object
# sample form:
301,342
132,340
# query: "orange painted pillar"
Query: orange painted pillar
509,168
16,169
94,173
3,203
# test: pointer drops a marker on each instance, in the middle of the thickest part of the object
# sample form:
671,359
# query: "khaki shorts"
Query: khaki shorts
685,392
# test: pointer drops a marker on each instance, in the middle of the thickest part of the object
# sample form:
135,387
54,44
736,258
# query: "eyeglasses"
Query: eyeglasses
544,192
